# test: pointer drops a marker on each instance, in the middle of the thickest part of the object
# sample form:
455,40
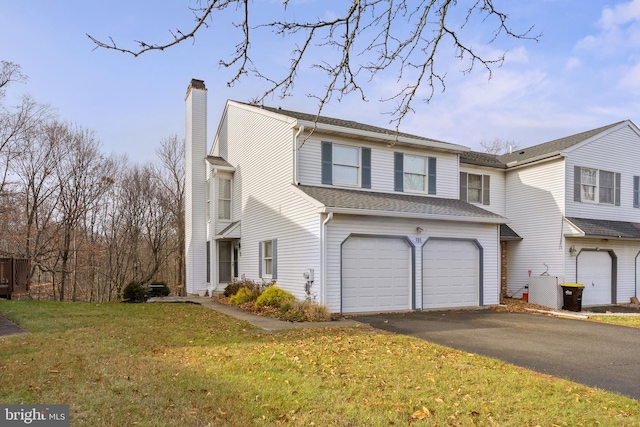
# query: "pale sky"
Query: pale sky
583,73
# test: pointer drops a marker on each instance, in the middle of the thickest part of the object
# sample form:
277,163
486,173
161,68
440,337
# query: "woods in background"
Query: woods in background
90,223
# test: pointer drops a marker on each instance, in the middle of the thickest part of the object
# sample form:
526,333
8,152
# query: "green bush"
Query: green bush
243,295
273,296
158,289
134,292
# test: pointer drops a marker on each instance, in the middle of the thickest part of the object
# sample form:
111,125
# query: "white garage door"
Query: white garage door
594,272
376,274
450,274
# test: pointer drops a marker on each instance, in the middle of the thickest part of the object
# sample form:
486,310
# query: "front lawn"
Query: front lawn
184,365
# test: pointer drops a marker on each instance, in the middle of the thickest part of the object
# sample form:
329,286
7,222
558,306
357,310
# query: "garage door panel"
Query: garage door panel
594,272
376,274
450,274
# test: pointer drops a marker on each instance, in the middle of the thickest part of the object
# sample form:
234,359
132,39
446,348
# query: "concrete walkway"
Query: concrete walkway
266,323
7,327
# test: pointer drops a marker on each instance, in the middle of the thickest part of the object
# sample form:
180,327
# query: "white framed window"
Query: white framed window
474,188
346,165
589,183
208,200
415,173
267,258
268,254
224,199
597,186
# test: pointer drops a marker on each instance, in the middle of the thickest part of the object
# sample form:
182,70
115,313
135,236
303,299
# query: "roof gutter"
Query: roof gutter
388,138
416,215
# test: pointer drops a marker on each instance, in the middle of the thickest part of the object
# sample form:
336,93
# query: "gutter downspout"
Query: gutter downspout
295,155
323,257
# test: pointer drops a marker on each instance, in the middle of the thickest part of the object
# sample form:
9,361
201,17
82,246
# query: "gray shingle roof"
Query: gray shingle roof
507,233
218,161
395,202
481,159
551,146
345,123
607,229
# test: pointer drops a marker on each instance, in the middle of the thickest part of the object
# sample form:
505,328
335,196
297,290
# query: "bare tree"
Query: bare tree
499,146
171,180
9,73
369,37
83,174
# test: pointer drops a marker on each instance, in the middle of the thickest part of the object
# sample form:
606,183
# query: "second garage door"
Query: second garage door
450,274
376,274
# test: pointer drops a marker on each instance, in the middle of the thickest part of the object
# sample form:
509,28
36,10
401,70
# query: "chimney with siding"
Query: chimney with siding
195,186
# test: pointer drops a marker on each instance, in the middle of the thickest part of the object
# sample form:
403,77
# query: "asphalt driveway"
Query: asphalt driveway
595,354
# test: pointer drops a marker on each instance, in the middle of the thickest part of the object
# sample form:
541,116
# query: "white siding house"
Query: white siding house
348,215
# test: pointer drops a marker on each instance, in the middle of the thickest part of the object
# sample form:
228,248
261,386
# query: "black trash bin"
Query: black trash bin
572,296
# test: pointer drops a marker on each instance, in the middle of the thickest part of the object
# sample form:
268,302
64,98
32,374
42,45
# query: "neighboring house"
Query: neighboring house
574,201
352,216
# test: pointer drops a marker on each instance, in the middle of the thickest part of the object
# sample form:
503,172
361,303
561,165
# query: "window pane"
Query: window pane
414,182
413,164
588,192
345,175
346,155
224,209
224,188
268,252
589,176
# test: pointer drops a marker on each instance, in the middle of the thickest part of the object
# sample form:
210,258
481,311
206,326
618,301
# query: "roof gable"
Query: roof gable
550,148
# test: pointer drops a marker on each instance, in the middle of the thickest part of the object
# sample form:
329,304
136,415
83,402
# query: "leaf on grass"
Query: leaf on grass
421,415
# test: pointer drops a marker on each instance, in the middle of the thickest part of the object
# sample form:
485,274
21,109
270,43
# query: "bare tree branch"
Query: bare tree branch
406,38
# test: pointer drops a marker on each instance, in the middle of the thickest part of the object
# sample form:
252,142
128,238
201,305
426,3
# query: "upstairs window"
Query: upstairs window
346,165
224,199
596,186
414,173
475,188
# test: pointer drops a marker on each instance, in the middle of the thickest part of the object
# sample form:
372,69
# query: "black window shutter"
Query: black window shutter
274,263
618,180
486,185
577,177
432,175
366,167
398,171
260,260
463,186
636,191
327,163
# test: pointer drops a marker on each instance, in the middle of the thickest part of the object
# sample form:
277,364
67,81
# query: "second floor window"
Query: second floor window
415,173
596,186
475,188
224,199
346,165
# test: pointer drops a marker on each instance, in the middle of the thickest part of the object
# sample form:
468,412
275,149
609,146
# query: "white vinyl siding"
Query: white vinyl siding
496,187
264,201
535,197
447,169
616,152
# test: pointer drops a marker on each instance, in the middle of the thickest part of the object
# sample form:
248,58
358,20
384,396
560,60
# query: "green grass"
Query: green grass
183,365
633,321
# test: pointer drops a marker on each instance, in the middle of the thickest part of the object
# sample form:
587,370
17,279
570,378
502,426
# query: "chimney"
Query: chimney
195,137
